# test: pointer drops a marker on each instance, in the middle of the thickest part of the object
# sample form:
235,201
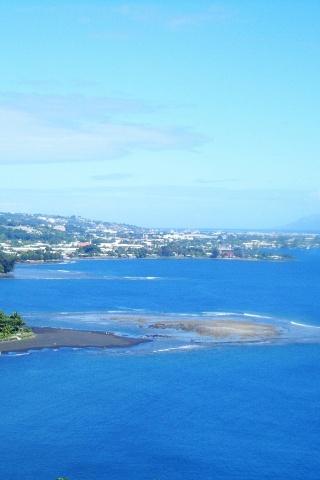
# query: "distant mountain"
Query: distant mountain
306,224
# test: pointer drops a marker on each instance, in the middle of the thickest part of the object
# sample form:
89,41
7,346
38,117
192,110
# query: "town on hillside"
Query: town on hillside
39,237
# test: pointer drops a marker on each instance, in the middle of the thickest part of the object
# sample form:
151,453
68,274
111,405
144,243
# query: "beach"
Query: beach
47,337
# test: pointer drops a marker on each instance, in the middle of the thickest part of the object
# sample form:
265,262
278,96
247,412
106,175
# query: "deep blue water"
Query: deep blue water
221,412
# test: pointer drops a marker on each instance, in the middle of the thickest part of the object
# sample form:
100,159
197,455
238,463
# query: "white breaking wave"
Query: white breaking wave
234,314
303,325
139,278
22,354
184,347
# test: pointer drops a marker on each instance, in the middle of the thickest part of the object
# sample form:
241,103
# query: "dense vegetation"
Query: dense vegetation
11,324
89,251
7,262
39,256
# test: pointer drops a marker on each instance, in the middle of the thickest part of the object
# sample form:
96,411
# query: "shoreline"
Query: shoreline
50,337
107,257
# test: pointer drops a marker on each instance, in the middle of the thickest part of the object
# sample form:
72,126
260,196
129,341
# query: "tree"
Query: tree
214,253
89,250
7,330
166,251
11,324
141,252
7,262
17,321
238,252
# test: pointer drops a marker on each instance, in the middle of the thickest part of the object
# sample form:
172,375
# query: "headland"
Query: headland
48,337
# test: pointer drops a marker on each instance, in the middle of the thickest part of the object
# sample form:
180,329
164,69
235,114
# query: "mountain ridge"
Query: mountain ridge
309,224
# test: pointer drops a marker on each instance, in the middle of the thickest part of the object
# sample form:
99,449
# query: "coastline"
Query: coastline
49,337
108,257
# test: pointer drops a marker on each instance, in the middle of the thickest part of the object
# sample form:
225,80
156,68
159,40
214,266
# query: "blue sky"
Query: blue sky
161,114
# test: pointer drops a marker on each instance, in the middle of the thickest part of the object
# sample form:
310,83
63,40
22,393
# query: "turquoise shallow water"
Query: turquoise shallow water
242,411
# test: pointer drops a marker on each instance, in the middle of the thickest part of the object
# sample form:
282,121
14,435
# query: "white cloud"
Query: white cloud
220,180
74,108
213,13
139,11
315,195
171,17
39,129
112,177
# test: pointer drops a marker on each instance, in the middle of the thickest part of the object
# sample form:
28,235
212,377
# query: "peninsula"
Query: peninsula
48,337
16,336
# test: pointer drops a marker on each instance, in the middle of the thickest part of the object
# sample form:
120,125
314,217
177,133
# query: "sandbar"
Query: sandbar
205,327
222,329
48,337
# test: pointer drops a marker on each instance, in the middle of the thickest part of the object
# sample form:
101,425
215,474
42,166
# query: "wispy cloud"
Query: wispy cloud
202,197
39,129
213,181
315,195
112,35
74,109
167,15
112,177
139,11
38,83
86,83
173,17
52,85
196,18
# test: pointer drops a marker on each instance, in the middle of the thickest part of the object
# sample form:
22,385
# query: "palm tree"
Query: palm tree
17,322
7,330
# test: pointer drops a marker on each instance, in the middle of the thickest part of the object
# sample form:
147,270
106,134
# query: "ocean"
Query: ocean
170,409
